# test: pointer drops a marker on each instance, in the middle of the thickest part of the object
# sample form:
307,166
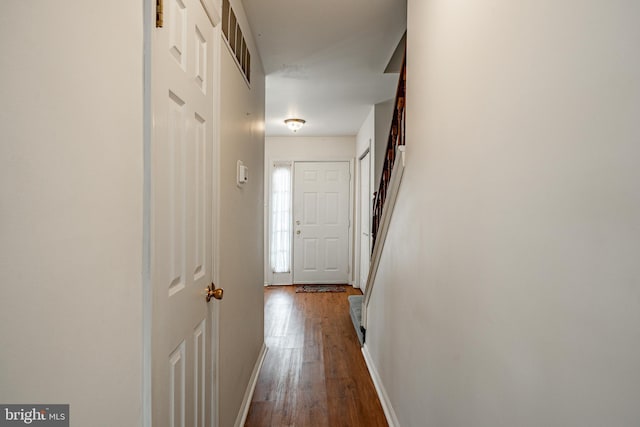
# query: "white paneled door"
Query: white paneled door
182,324
321,222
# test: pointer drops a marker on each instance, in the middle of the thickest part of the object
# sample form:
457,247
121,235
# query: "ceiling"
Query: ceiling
325,61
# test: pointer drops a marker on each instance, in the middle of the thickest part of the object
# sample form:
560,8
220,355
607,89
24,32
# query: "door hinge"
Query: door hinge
159,14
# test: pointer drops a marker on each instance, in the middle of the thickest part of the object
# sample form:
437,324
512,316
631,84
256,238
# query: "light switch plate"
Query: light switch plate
242,174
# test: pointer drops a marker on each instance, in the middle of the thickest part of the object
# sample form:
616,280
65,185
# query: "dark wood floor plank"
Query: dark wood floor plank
314,374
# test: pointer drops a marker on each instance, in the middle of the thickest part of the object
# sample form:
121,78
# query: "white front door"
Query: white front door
365,218
182,325
321,222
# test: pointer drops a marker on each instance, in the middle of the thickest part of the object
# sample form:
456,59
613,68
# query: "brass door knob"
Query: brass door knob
212,292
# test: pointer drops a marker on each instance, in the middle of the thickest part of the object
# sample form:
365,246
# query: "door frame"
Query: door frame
358,231
149,26
288,279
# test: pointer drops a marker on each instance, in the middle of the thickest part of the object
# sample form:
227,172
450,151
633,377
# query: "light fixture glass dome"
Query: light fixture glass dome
294,124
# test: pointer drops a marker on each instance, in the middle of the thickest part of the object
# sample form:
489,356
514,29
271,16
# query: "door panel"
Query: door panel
181,216
321,213
331,251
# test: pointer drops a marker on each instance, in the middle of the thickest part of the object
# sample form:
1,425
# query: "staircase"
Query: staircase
384,201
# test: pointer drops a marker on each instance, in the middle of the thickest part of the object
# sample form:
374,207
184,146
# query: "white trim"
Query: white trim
280,278
387,212
147,298
389,413
212,10
248,395
352,220
357,236
215,229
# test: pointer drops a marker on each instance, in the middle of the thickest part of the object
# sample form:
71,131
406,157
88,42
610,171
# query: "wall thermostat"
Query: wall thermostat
242,174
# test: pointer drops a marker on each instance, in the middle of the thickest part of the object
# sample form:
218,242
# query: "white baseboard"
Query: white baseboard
389,413
248,395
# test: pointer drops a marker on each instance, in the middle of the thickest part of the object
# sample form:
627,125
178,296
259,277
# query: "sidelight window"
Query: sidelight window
281,218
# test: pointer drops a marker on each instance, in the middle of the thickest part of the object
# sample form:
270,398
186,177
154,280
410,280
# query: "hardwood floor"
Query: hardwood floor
314,373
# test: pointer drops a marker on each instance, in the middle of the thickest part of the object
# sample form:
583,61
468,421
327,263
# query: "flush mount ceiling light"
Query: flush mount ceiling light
294,124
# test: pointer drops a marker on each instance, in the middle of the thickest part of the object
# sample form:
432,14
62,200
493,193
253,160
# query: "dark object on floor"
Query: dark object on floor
319,288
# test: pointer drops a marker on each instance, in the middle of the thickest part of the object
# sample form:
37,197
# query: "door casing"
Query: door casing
287,278
363,238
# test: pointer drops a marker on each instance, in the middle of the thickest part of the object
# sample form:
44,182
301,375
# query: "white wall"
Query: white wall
71,181
241,226
365,139
332,148
508,290
310,148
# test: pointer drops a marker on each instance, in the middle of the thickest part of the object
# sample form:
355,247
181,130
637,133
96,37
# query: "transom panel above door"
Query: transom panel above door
321,222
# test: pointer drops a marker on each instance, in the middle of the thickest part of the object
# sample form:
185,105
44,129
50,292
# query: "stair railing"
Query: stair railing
396,139
385,197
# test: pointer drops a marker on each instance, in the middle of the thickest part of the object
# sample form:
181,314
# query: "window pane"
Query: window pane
281,219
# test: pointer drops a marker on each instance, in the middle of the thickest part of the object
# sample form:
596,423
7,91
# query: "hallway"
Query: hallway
314,373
